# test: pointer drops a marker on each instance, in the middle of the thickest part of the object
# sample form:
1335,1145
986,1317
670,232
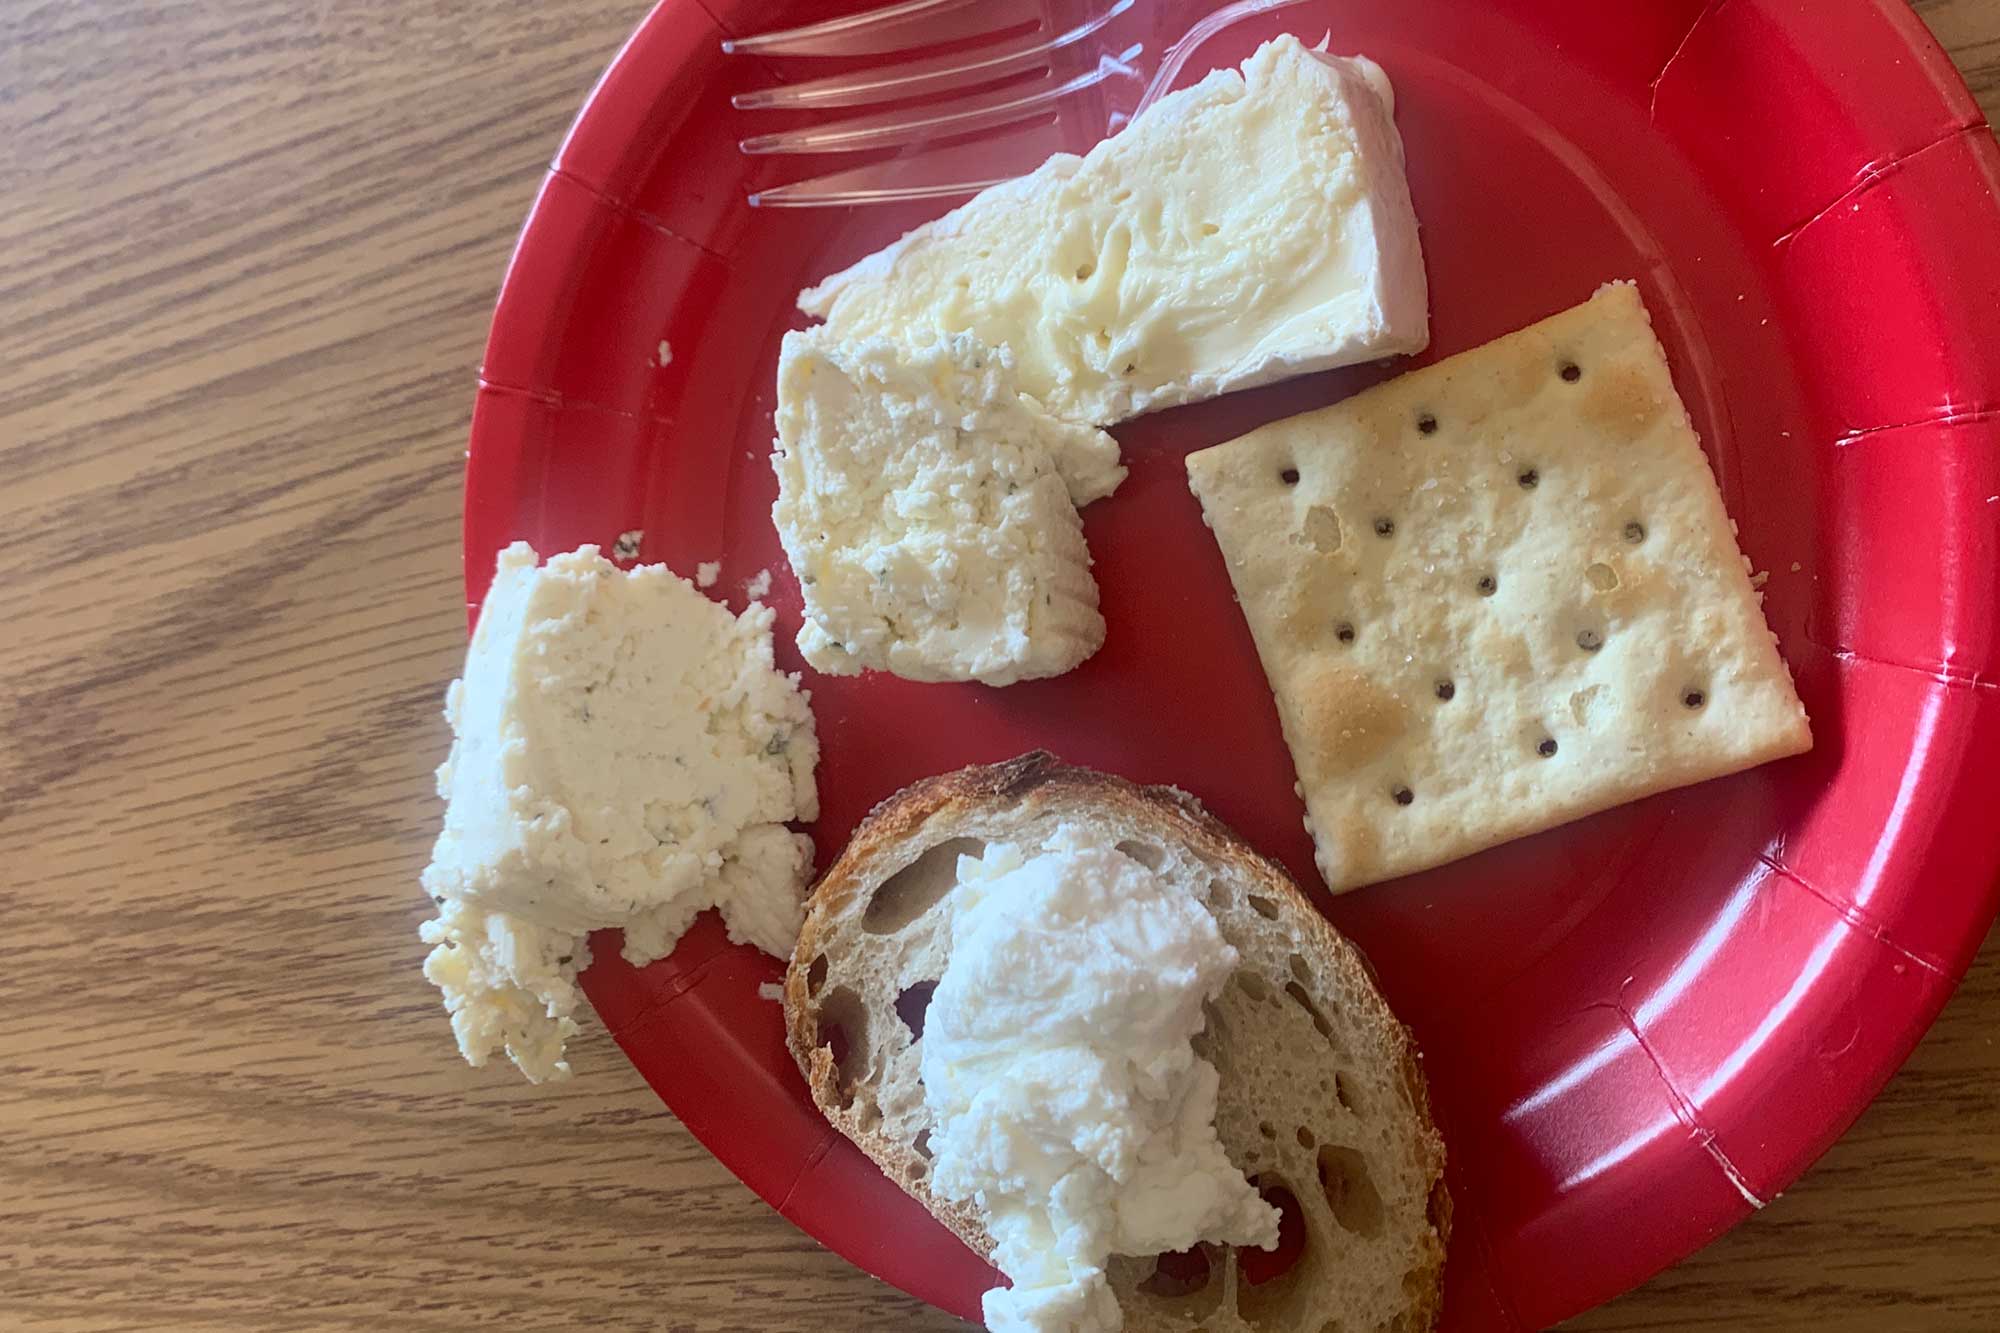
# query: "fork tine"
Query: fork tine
960,169
935,74
963,116
896,27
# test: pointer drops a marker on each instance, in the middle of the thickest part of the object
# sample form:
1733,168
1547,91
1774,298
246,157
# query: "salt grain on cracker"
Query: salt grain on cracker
1497,594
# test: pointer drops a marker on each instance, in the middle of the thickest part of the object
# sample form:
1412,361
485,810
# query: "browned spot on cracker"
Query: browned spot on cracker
1348,721
1618,398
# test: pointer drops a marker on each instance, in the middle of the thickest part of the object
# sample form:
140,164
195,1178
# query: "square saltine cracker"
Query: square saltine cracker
1497,594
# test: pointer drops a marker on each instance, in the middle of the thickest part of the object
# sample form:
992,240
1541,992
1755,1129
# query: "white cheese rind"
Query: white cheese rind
1253,227
624,754
1067,1100
928,509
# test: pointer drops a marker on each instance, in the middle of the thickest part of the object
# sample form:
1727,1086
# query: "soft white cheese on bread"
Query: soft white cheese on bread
624,754
928,508
1247,229
1058,1066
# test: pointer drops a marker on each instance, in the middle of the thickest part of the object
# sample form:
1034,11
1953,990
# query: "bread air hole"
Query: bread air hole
816,974
842,1023
1350,1190
913,1004
1305,1002
1179,1275
1271,1277
1263,907
1144,853
921,1145
1253,986
1306,1139
1343,1092
1300,969
916,888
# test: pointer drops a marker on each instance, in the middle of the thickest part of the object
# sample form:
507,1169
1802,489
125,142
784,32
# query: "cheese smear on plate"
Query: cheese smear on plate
1247,229
624,754
1060,1074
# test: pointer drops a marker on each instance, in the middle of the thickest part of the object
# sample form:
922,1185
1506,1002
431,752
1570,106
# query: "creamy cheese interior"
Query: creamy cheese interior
1253,227
928,508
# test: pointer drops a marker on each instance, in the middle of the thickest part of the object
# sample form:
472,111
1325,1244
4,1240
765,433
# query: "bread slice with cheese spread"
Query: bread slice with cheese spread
1321,1095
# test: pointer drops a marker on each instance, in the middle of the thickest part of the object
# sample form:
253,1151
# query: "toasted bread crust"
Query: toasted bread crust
1038,784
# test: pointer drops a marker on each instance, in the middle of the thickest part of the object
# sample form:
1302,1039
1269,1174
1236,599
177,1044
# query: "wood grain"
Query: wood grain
247,254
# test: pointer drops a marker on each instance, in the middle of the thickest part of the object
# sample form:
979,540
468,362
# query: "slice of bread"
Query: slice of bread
1321,1095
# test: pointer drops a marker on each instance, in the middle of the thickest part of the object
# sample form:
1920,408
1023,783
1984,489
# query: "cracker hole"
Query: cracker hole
1529,478
1290,476
1693,698
1546,747
1589,640
1635,532
1487,585
1145,853
816,974
1445,690
1344,631
1571,372
1263,907
913,1004
1180,1274
1601,577
1084,270
1350,1190
1402,795
1385,527
917,887
1427,424
1305,1002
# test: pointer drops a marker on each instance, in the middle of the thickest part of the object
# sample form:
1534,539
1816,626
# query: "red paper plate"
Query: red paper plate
1638,1028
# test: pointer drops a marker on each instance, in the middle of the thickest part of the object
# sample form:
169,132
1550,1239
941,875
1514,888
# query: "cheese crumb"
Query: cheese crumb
772,991
664,354
758,585
624,754
707,572
626,549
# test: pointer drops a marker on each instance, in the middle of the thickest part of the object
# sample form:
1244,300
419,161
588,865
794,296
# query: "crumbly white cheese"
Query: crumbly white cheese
624,754
1250,228
1067,1100
928,509
707,572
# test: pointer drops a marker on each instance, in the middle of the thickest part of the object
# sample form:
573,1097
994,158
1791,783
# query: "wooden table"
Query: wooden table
248,249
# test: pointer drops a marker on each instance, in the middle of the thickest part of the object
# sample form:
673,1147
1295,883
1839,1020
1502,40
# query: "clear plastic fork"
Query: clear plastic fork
979,91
